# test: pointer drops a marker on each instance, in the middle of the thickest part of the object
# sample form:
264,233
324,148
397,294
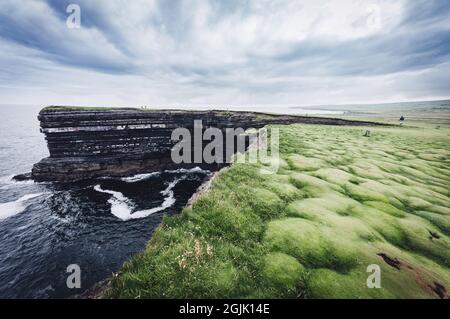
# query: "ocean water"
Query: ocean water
96,224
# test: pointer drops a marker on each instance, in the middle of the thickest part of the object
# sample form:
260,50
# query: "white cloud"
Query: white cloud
199,52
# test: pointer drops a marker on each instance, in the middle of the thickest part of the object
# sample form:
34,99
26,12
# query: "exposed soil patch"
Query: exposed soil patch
433,235
390,261
439,290
436,287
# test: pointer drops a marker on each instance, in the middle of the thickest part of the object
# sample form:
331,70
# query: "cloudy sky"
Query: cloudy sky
224,52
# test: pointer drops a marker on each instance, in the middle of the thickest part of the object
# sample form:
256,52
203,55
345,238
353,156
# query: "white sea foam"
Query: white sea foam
188,170
64,220
6,179
139,177
169,200
16,207
8,182
14,183
122,207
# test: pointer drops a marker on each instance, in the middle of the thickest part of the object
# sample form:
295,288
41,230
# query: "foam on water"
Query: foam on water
122,207
139,177
6,179
9,182
169,200
188,170
16,207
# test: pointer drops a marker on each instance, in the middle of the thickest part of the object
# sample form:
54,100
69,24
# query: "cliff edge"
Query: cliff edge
95,142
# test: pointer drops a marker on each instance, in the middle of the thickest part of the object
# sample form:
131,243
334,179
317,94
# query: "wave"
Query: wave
122,207
6,179
139,177
9,181
169,200
189,170
16,207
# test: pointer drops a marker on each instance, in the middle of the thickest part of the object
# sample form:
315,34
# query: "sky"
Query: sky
188,53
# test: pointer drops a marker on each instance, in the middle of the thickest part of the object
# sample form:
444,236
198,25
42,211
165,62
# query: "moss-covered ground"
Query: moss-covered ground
339,202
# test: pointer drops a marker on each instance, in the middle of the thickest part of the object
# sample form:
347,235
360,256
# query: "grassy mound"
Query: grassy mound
339,203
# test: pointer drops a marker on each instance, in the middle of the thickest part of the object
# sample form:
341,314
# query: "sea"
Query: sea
95,224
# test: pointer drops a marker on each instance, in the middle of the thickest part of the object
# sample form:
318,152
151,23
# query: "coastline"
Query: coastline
100,289
232,228
233,242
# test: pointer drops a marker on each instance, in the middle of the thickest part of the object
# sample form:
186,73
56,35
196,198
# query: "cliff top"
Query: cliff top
140,109
57,115
56,108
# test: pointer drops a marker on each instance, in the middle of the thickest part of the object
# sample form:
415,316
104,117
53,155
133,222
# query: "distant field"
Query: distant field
429,117
339,203
432,119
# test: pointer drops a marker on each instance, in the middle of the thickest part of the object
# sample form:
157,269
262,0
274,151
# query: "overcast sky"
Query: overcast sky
224,52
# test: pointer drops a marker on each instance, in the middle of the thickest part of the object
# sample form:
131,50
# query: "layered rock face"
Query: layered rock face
89,143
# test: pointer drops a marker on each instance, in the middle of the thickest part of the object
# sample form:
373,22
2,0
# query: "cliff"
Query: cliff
94,142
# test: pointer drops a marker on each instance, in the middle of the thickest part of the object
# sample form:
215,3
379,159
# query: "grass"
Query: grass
80,108
57,108
339,202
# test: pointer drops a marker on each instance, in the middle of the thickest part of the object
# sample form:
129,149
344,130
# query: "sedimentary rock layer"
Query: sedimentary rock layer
94,142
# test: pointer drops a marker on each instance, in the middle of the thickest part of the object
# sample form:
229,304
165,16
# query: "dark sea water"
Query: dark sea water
97,224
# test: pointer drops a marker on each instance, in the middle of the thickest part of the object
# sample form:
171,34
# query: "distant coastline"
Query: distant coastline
378,107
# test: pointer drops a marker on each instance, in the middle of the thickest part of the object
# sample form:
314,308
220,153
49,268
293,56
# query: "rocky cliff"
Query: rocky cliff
94,142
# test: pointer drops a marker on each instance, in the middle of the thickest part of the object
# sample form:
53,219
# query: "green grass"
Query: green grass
338,201
148,109
79,108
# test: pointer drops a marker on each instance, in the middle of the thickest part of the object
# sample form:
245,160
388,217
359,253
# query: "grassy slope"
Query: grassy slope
338,201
